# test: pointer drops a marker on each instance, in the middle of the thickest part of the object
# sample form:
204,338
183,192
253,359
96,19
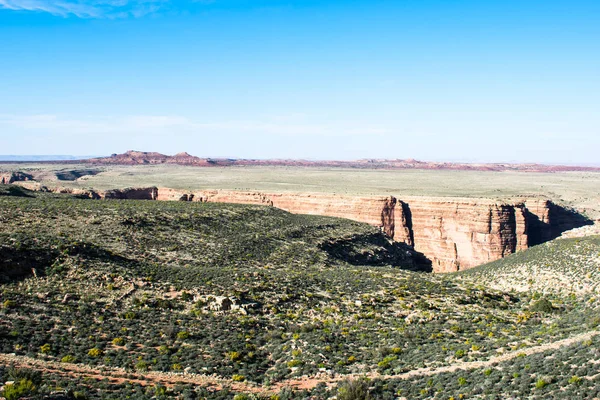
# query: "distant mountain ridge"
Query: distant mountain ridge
140,158
133,157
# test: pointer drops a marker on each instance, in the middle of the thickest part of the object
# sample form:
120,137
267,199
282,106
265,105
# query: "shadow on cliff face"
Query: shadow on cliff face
73,175
15,191
376,250
409,224
560,219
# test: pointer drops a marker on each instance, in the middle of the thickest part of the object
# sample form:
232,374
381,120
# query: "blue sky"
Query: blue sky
510,81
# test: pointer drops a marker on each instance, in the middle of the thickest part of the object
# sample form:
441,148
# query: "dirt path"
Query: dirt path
119,375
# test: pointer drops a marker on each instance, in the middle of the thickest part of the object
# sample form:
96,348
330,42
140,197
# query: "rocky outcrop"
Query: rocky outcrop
225,304
7,178
150,193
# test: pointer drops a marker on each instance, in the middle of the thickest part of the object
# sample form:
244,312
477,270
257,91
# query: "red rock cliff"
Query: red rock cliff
378,211
452,233
11,177
462,233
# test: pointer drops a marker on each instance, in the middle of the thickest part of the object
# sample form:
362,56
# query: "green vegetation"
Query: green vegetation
565,266
257,297
543,305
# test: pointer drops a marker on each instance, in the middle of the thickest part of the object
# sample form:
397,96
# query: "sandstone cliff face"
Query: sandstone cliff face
378,211
452,233
548,221
10,177
167,194
459,234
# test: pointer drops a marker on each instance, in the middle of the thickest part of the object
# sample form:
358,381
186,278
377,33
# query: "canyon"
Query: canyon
452,233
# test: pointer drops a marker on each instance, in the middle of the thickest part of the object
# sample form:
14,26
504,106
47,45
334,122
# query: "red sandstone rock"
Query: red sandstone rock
453,233
462,233
10,177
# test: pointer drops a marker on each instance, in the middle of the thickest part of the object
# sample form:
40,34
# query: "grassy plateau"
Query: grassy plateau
579,190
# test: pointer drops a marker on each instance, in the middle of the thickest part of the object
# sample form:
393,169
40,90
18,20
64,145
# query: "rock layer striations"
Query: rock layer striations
452,233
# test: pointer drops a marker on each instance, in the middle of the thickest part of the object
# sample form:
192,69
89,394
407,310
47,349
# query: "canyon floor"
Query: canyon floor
192,300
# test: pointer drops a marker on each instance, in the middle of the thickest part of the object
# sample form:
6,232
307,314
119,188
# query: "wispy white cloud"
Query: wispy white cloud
88,8
160,124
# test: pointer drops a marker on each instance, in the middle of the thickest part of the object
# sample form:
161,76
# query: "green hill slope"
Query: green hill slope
562,266
245,295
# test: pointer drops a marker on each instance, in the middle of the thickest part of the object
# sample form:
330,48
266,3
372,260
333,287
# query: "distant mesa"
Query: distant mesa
134,157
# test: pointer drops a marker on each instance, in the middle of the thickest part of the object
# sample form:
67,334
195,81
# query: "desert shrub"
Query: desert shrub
68,359
19,390
19,374
141,366
9,304
234,356
575,380
183,335
354,390
542,305
540,384
94,352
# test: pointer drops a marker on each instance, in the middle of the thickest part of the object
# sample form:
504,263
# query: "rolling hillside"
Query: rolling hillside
566,266
135,299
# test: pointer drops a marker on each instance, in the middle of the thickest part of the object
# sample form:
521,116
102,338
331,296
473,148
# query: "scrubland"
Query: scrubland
206,300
